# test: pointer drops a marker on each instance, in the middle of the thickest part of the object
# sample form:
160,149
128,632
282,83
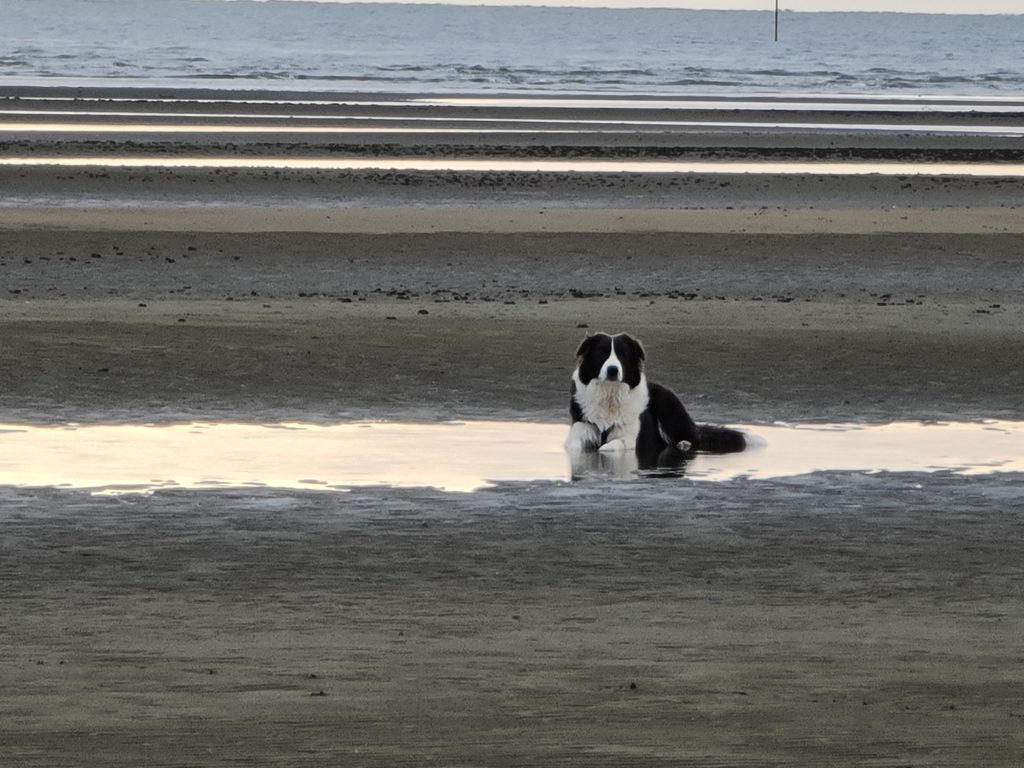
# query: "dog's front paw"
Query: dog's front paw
618,445
582,437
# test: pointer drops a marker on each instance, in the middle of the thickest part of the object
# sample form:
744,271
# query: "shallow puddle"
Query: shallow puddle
452,456
464,456
790,450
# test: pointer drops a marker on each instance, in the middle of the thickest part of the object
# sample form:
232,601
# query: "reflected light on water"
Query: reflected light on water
342,124
492,165
142,458
782,450
462,456
846,103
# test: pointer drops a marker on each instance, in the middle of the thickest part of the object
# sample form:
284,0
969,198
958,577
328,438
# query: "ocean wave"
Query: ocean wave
539,78
401,47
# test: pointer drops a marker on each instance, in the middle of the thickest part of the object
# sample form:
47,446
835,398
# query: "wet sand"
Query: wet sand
837,618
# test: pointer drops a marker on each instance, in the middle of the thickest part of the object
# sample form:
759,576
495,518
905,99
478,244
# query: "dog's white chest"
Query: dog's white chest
607,404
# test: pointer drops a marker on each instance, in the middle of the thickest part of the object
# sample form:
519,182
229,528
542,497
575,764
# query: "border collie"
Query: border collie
614,408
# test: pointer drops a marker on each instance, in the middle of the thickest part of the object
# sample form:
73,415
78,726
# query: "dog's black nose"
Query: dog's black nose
612,372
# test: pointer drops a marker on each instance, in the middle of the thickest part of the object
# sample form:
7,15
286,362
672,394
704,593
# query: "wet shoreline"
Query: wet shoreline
794,621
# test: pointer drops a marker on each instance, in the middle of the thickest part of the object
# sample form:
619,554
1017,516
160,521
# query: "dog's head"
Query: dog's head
603,357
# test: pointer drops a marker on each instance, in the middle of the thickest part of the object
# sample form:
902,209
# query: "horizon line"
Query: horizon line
666,5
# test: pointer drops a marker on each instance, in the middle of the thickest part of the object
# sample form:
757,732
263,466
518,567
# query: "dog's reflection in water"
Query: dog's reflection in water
669,462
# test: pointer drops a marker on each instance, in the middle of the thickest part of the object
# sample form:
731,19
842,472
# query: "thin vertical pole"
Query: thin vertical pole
776,21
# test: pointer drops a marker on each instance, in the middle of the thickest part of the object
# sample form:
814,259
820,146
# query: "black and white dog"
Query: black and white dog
614,408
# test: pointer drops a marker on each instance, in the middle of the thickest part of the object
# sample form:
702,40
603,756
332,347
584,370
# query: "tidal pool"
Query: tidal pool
465,456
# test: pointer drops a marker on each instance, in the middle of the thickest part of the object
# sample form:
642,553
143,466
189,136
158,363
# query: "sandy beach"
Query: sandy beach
831,619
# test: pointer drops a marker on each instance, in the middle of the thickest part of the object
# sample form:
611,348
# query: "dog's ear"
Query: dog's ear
585,345
637,348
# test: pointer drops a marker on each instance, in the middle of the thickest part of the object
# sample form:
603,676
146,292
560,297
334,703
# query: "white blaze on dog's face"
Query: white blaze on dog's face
612,368
607,358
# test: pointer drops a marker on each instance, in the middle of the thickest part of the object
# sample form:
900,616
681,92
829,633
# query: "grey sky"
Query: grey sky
906,6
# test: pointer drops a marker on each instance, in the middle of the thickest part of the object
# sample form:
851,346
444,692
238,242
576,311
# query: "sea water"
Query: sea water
394,48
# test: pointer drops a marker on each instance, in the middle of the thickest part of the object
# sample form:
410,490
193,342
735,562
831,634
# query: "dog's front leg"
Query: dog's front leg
583,436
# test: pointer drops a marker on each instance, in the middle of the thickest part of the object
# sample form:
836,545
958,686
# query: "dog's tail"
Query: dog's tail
715,439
